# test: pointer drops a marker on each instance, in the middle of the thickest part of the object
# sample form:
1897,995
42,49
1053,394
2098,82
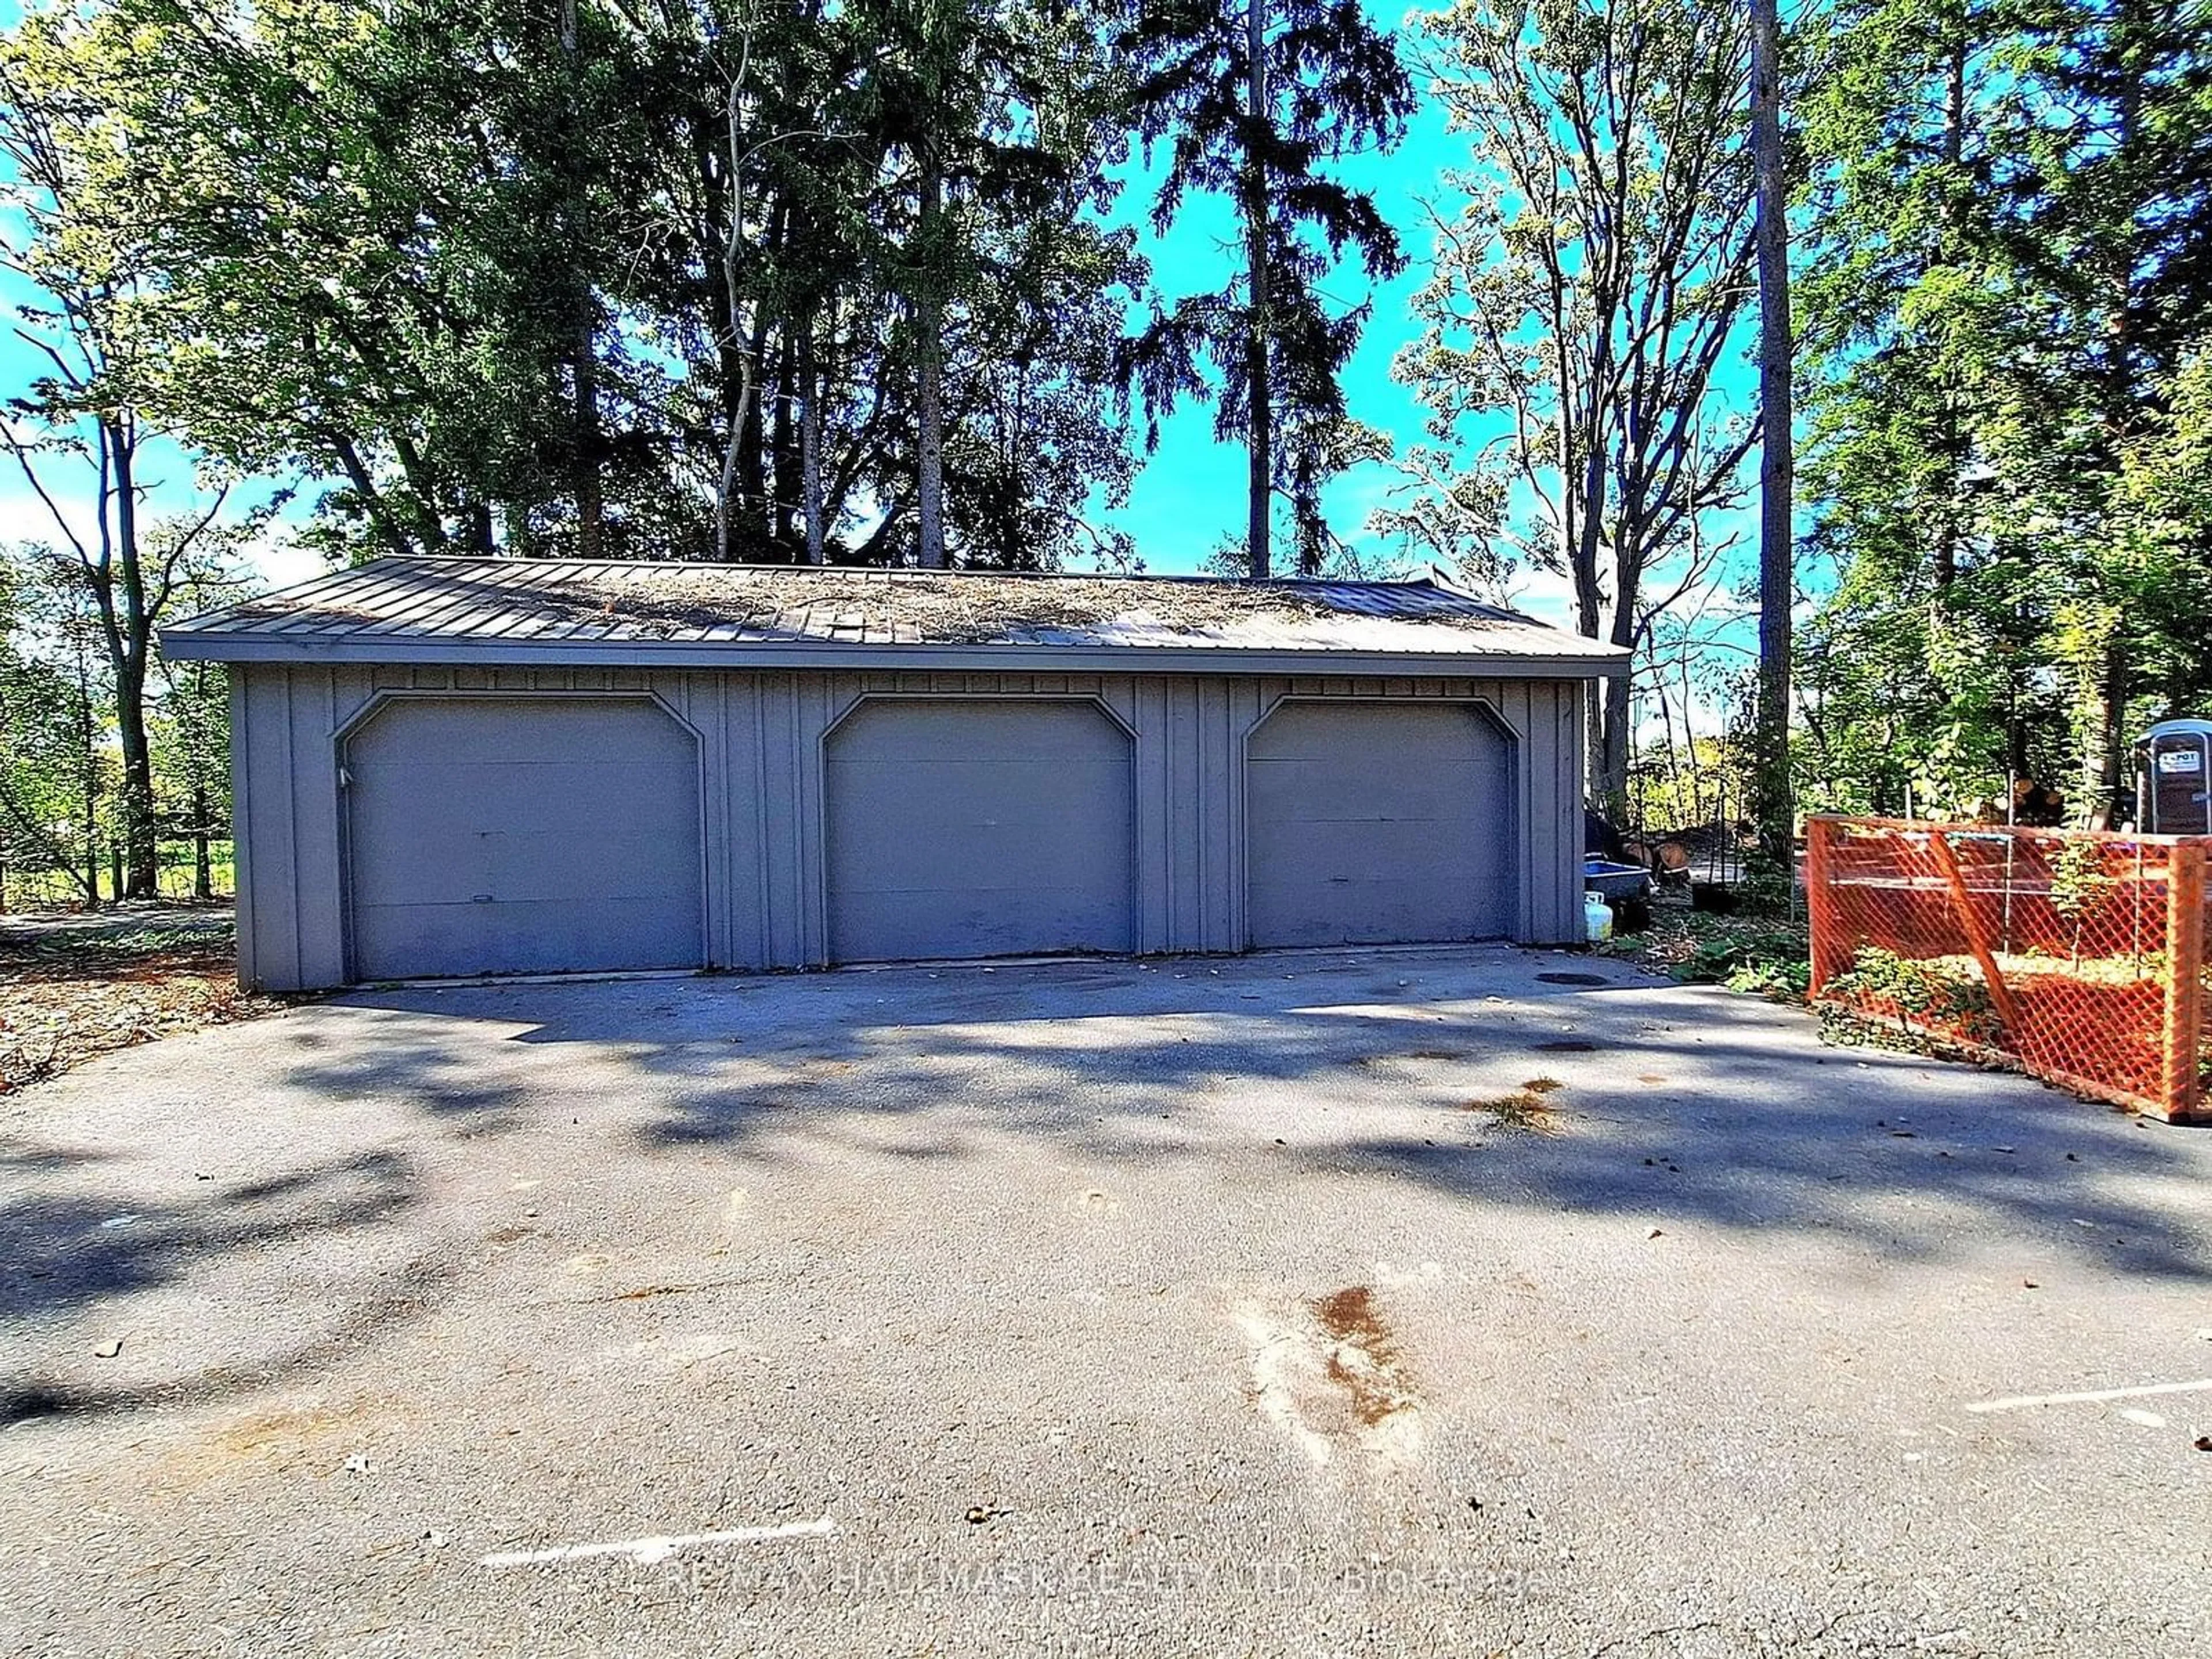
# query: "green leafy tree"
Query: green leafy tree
1919,688
352,268
2011,223
1584,293
57,775
637,279
2115,233
993,122
79,436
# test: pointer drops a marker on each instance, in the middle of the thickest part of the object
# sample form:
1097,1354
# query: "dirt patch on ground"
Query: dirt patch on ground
1527,1108
311,1439
1329,1372
1364,1360
66,997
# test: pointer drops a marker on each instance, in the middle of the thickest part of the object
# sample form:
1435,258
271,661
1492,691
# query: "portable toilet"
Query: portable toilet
2174,779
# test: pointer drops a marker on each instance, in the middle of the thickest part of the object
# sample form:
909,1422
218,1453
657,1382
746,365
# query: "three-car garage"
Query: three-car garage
419,800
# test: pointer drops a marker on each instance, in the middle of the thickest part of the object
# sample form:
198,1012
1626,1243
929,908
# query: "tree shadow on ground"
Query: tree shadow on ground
71,1253
1673,1101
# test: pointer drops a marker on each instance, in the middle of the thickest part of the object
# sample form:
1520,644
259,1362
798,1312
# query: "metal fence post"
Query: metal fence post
2185,980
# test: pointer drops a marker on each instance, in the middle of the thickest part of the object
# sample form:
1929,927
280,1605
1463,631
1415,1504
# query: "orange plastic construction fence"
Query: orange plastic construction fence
2078,957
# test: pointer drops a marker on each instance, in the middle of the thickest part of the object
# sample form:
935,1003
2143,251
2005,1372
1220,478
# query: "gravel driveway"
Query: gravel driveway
1378,1302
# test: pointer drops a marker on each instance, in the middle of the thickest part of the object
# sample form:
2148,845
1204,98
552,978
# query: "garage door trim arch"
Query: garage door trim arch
1483,708
389,698
861,699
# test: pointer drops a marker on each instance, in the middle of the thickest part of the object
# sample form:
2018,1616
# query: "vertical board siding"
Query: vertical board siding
760,794
1573,758
242,816
818,708
781,860
318,899
1514,704
265,761
1146,712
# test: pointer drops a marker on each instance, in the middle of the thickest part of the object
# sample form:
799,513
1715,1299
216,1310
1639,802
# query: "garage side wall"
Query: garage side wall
761,796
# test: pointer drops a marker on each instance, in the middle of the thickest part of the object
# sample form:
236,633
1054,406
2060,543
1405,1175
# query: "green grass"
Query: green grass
1760,955
32,890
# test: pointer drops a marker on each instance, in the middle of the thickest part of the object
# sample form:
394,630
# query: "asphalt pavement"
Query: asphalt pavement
1378,1302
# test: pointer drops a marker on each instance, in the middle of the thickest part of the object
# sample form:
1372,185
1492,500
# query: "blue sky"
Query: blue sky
1190,493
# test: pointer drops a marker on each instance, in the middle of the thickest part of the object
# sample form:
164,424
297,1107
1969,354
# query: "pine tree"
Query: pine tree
2012,236
1252,103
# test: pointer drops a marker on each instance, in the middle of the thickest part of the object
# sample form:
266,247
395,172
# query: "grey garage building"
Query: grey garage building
481,766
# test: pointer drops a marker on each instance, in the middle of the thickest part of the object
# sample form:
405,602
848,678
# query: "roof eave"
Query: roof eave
192,645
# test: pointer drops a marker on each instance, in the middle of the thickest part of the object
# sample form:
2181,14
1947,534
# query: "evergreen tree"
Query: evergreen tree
2011,228
1252,102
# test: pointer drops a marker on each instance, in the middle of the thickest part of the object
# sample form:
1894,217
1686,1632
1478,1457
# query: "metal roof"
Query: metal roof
520,611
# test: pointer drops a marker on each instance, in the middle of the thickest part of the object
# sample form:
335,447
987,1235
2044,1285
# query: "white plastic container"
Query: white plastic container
1597,917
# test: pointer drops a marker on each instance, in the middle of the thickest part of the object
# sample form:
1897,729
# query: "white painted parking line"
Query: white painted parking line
648,1551
2092,1397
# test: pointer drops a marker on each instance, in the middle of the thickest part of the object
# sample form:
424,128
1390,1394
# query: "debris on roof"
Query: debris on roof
524,603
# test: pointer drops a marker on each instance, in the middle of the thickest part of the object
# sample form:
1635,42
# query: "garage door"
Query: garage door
492,835
979,828
1377,824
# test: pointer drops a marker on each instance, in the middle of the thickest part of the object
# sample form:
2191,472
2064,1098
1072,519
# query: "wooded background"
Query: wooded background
879,282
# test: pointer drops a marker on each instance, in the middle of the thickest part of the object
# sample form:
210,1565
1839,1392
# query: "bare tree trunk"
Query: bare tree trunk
203,863
591,509
1589,616
929,349
783,442
1261,409
754,493
1773,811
1617,698
89,754
481,542
809,437
1612,761
737,364
119,590
140,850
726,487
2106,708
584,352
